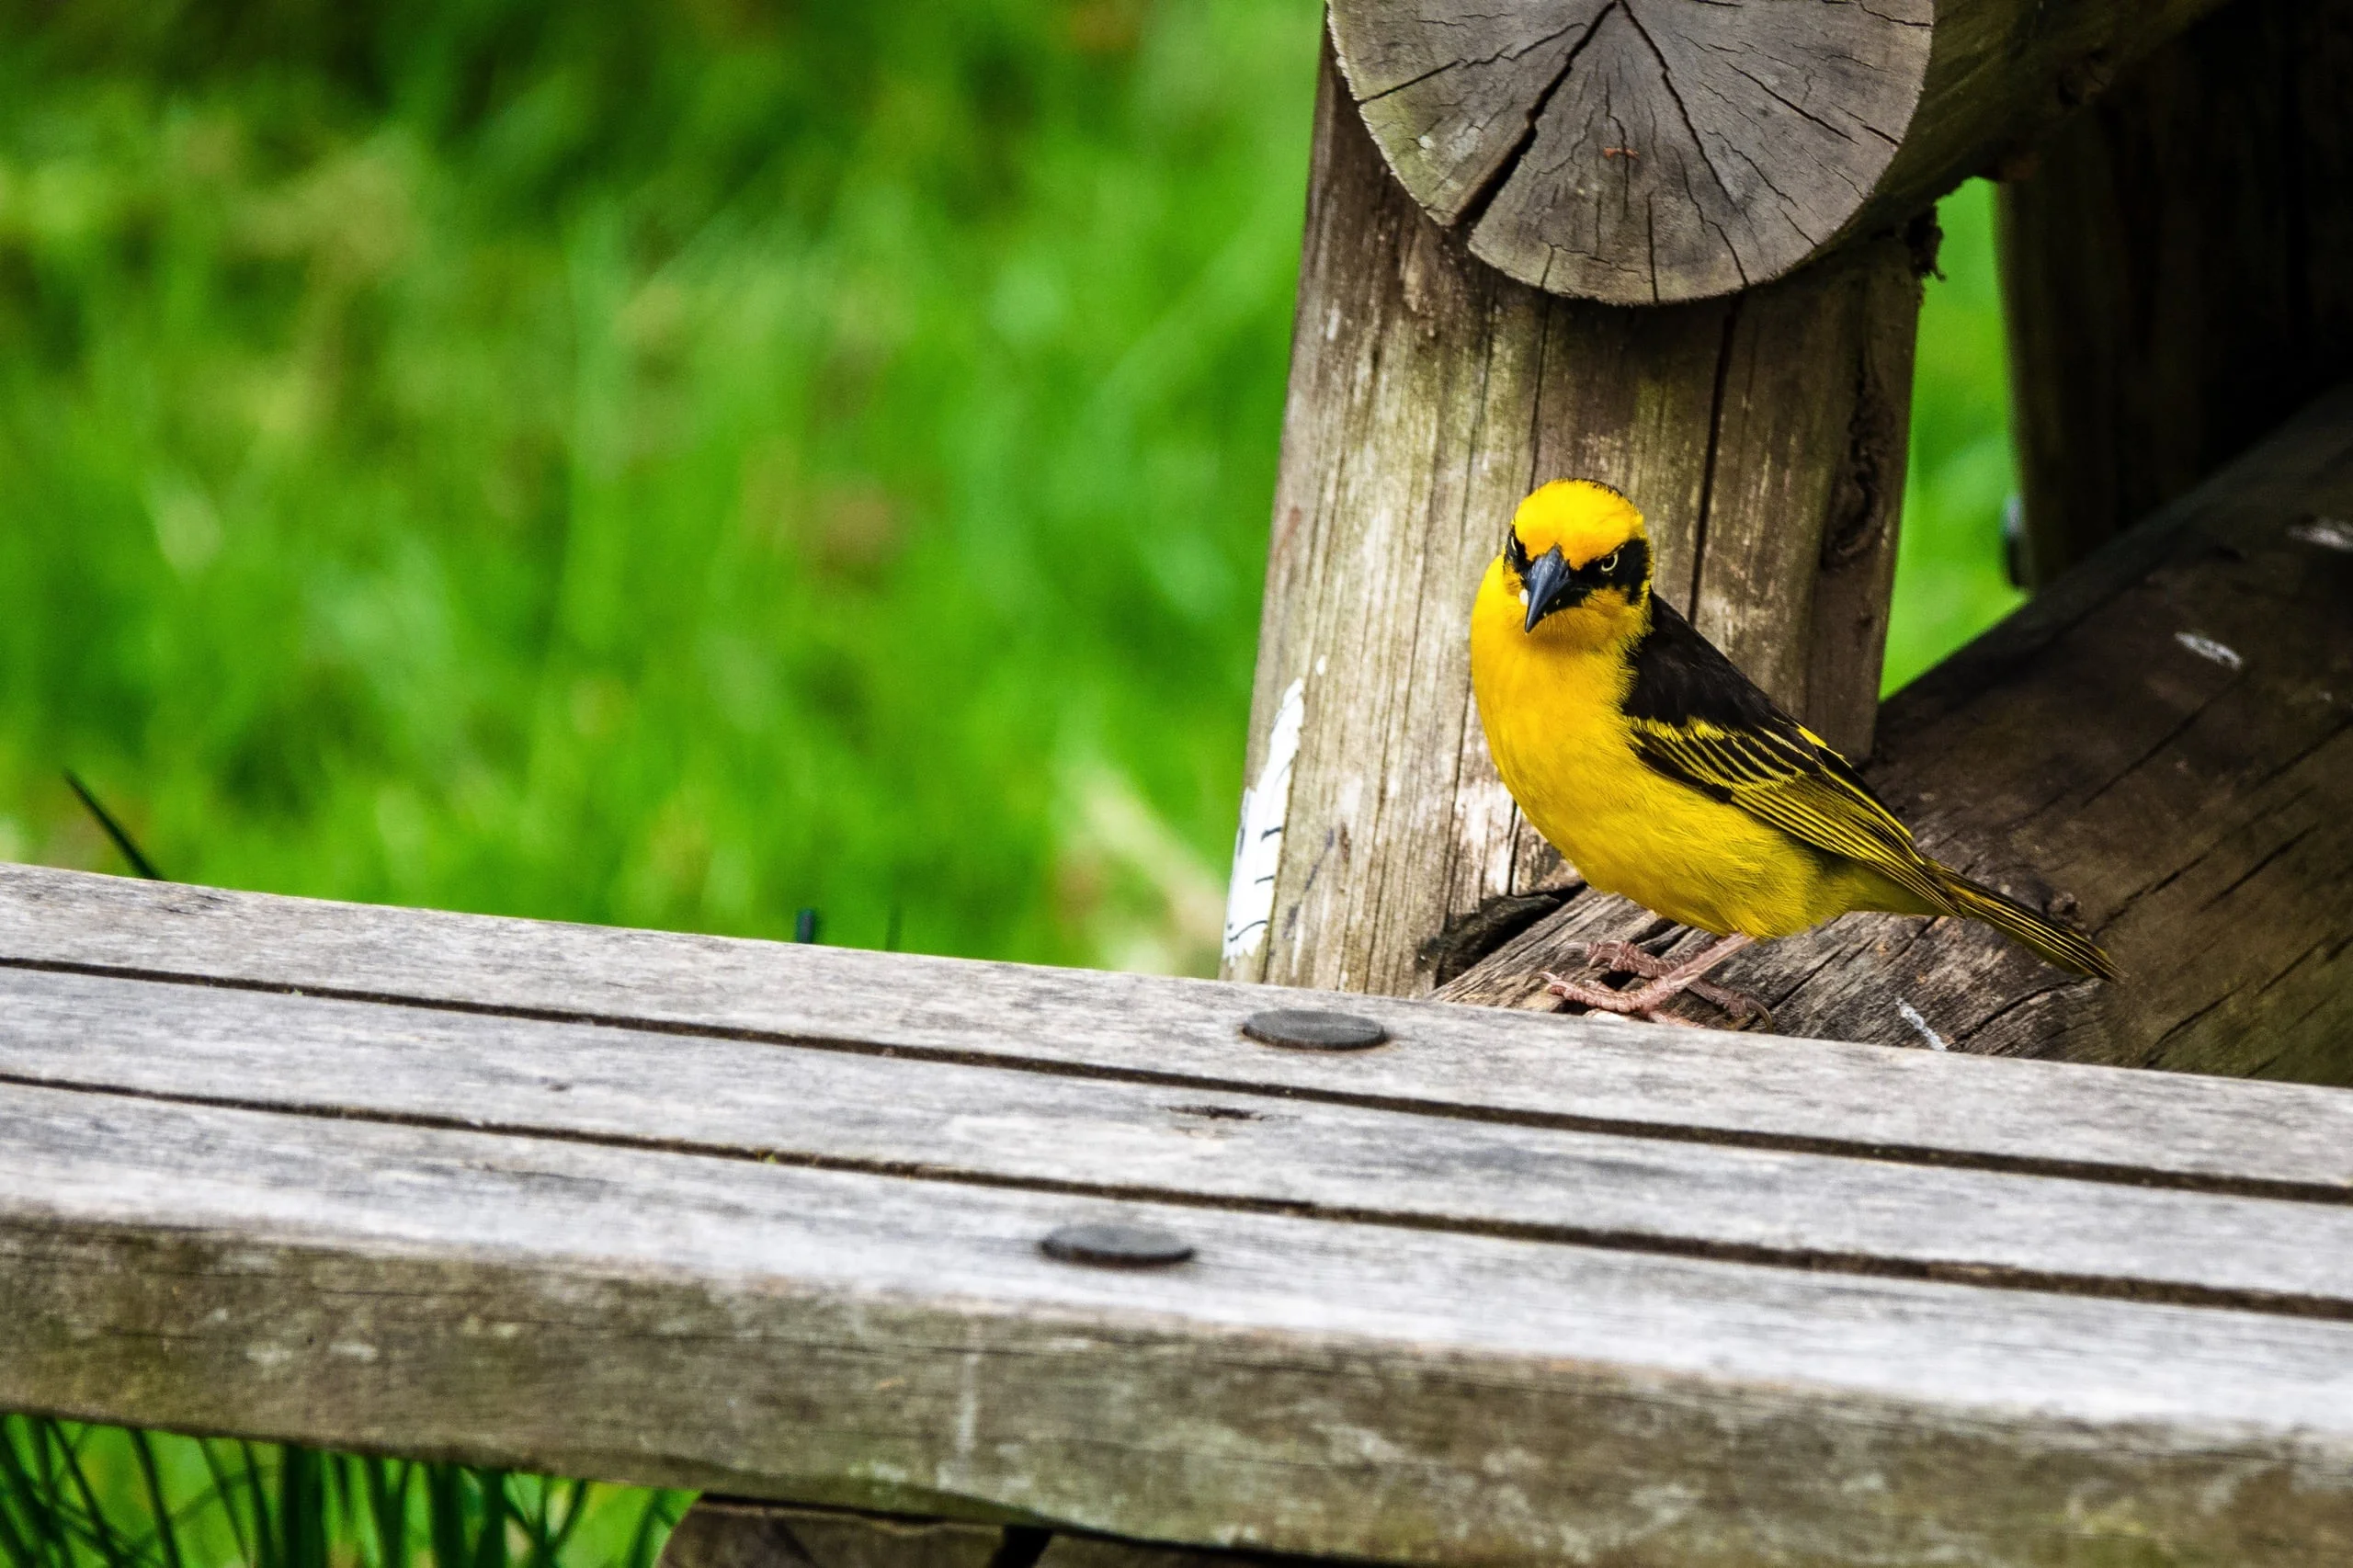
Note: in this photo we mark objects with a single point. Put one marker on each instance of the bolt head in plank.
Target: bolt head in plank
(1114, 1244)
(1313, 1029)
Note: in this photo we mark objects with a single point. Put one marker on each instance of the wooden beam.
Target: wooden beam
(2159, 747)
(1646, 151)
(1765, 436)
(766, 1218)
(2175, 269)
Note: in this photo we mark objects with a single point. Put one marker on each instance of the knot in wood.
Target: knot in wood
(1638, 152)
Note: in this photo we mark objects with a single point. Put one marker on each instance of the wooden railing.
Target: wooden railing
(775, 1219)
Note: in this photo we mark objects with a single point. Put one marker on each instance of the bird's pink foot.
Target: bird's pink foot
(1666, 978)
(1628, 1004)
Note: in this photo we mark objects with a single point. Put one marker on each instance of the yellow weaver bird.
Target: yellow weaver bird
(1638, 752)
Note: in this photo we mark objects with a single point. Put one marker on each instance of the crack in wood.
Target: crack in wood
(1473, 208)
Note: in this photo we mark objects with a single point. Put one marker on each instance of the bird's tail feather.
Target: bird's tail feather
(2054, 943)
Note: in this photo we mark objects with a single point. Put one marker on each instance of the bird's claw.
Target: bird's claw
(1746, 1010)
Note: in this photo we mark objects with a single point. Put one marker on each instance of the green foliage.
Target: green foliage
(1948, 577)
(74, 1496)
(664, 464)
(679, 464)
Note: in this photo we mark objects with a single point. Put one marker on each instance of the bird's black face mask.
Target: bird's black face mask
(1552, 584)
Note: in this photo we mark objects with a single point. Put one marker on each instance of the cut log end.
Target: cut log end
(1638, 152)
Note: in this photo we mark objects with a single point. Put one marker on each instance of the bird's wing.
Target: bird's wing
(1796, 784)
(1699, 720)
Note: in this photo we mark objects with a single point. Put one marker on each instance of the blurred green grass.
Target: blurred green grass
(675, 464)
(1950, 583)
(78, 1497)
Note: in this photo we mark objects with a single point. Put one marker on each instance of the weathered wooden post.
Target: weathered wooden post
(1765, 434)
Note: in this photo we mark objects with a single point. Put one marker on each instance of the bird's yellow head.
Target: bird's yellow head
(1575, 565)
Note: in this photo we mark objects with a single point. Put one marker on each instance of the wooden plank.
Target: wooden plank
(1764, 437)
(1301, 1384)
(1000, 1127)
(2159, 748)
(1496, 1064)
(1640, 152)
(2173, 269)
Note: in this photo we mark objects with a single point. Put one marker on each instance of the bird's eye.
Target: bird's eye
(1515, 552)
(1608, 563)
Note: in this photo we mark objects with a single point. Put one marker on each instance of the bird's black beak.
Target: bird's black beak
(1551, 585)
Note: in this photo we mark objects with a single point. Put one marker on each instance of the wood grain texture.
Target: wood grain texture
(1647, 152)
(1304, 1385)
(1764, 438)
(1005, 1126)
(2175, 269)
(1185, 1036)
(2159, 747)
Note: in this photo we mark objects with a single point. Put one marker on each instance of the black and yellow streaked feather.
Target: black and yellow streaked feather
(1697, 720)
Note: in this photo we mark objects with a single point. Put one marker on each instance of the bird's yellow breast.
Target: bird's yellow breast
(1553, 708)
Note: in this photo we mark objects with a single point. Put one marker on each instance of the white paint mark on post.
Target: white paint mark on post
(1258, 840)
(2205, 647)
(968, 1410)
(1920, 1025)
(2329, 533)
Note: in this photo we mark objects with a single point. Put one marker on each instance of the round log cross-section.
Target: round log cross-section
(1638, 150)
(1644, 152)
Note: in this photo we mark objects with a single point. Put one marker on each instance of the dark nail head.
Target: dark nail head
(1116, 1246)
(1308, 1028)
